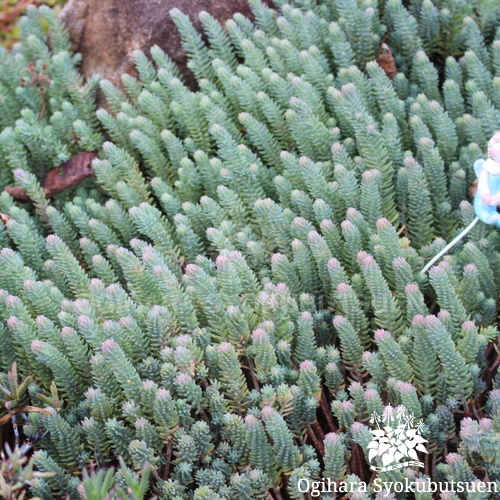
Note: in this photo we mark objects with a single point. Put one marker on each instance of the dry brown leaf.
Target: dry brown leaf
(481, 473)
(67, 175)
(17, 193)
(386, 61)
(4, 218)
(473, 189)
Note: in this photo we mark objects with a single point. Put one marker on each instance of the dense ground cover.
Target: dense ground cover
(236, 289)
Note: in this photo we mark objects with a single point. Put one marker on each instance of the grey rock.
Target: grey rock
(106, 32)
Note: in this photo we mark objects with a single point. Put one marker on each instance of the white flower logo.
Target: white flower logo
(398, 439)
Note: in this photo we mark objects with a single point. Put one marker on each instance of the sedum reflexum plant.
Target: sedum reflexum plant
(47, 111)
(223, 306)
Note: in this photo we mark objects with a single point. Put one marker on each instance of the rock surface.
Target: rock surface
(106, 32)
